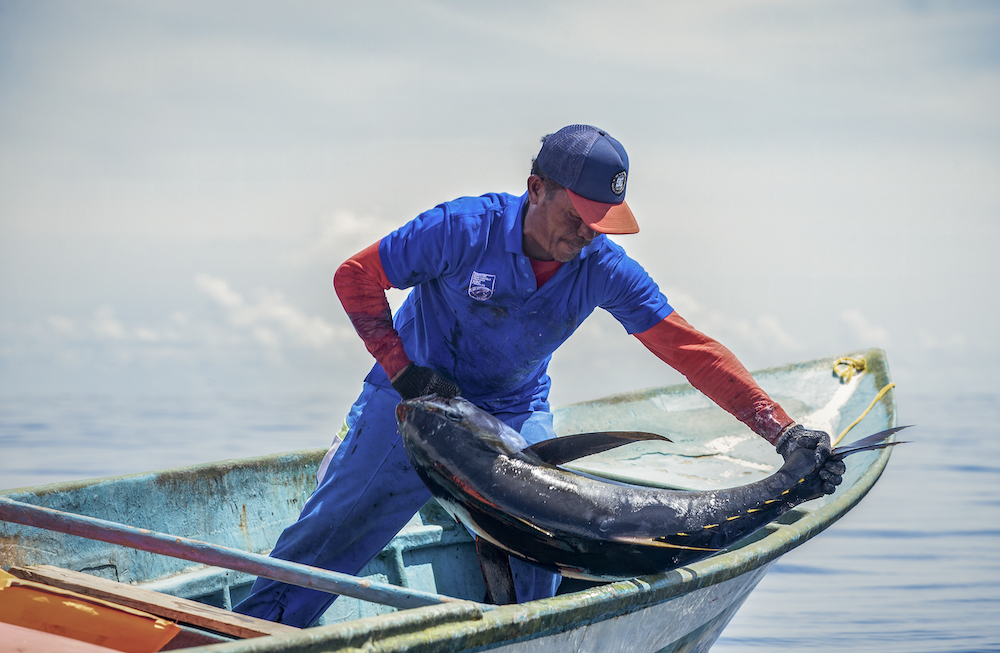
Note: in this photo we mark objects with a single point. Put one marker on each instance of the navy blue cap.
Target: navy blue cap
(593, 167)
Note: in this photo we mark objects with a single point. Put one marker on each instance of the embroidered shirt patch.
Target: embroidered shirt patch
(481, 285)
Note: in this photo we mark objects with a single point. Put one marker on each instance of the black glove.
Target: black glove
(799, 437)
(416, 381)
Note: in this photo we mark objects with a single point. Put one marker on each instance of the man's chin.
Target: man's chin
(567, 254)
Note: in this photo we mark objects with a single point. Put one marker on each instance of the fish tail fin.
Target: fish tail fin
(870, 443)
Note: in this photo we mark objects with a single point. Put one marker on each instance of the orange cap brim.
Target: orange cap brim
(605, 218)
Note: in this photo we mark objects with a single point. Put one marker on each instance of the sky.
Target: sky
(180, 180)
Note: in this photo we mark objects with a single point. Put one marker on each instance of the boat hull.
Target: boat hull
(245, 504)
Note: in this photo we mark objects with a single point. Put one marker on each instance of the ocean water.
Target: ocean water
(59, 437)
(914, 568)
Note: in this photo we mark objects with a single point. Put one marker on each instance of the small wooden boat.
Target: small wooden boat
(239, 507)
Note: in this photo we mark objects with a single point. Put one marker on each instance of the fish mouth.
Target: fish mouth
(420, 412)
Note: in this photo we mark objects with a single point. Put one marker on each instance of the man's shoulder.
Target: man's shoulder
(605, 252)
(609, 259)
(480, 204)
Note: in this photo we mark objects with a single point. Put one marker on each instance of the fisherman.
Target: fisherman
(499, 282)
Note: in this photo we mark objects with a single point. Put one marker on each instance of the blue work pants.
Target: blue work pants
(369, 492)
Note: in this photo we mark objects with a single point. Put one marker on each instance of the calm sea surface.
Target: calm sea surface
(915, 567)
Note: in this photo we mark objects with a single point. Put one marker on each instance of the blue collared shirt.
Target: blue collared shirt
(475, 313)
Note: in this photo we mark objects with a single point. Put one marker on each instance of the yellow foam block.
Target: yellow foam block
(69, 614)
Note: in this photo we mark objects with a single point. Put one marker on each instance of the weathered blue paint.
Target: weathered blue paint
(186, 549)
(241, 504)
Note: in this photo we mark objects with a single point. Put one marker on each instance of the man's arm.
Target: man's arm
(716, 372)
(361, 283)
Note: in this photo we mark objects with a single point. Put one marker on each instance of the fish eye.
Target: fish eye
(453, 415)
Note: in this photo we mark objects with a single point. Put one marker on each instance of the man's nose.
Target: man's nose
(586, 232)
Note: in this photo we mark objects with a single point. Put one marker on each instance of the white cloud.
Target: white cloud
(953, 342)
(862, 329)
(773, 331)
(270, 319)
(106, 325)
(761, 334)
(62, 325)
(341, 235)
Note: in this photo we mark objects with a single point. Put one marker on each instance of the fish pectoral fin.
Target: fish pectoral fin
(534, 527)
(499, 579)
(662, 543)
(571, 447)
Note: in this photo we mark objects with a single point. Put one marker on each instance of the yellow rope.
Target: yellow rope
(852, 365)
(881, 393)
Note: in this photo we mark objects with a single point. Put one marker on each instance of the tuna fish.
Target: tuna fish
(518, 499)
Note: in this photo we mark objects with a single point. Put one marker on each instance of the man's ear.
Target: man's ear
(536, 189)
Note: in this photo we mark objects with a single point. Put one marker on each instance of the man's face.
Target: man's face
(553, 230)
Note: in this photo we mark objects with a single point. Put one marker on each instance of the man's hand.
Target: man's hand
(799, 437)
(416, 381)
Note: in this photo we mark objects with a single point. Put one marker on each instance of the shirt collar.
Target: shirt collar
(513, 225)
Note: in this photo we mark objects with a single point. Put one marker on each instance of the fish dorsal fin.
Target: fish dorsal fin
(570, 447)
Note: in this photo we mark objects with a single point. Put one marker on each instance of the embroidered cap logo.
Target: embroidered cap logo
(618, 183)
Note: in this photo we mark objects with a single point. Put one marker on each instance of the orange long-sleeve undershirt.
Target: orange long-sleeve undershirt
(716, 372)
(361, 283)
